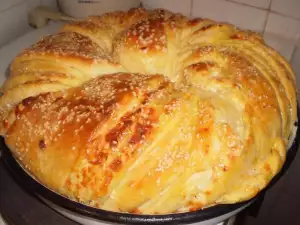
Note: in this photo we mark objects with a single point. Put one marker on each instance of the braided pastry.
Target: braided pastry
(150, 112)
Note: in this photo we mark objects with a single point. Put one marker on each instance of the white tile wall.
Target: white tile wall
(32, 3)
(287, 7)
(13, 22)
(13, 17)
(256, 3)
(5, 4)
(284, 46)
(283, 26)
(296, 66)
(182, 6)
(225, 11)
(282, 33)
(50, 3)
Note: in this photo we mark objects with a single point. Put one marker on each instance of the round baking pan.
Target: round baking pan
(89, 215)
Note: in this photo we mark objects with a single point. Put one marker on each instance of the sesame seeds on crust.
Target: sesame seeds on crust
(128, 111)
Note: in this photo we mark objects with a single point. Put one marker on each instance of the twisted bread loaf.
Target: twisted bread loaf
(150, 112)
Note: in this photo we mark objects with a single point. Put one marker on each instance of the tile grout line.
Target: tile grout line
(191, 8)
(270, 4)
(265, 9)
(266, 22)
(281, 14)
(293, 53)
(275, 12)
(245, 4)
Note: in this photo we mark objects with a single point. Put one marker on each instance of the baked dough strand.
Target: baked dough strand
(150, 112)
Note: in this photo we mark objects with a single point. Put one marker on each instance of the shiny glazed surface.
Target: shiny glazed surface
(149, 112)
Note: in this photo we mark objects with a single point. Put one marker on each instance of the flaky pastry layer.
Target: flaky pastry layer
(150, 112)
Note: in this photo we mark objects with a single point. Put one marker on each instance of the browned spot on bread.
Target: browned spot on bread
(170, 106)
(267, 167)
(68, 183)
(207, 192)
(225, 168)
(19, 109)
(5, 123)
(195, 21)
(206, 117)
(210, 26)
(135, 211)
(28, 102)
(144, 126)
(205, 50)
(141, 130)
(194, 206)
(202, 66)
(249, 35)
(238, 36)
(42, 144)
(147, 35)
(116, 165)
(107, 180)
(114, 134)
(206, 148)
(99, 157)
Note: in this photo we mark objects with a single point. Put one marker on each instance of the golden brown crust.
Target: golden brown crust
(100, 33)
(71, 120)
(150, 112)
(65, 44)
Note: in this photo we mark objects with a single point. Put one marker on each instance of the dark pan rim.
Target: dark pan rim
(34, 187)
